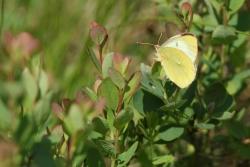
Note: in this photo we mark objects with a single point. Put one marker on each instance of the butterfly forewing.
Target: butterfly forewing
(187, 43)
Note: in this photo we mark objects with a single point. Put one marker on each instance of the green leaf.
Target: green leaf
(225, 116)
(241, 150)
(171, 133)
(110, 119)
(43, 154)
(238, 51)
(207, 126)
(151, 85)
(24, 134)
(117, 78)
(133, 85)
(57, 135)
(5, 116)
(107, 63)
(238, 130)
(235, 5)
(151, 102)
(126, 156)
(137, 115)
(212, 16)
(109, 91)
(138, 101)
(123, 118)
(236, 83)
(216, 5)
(124, 65)
(94, 158)
(240, 114)
(165, 159)
(30, 86)
(43, 83)
(91, 94)
(42, 110)
(173, 105)
(94, 135)
(157, 71)
(100, 125)
(94, 59)
(186, 116)
(218, 100)
(223, 35)
(13, 89)
(106, 146)
(73, 122)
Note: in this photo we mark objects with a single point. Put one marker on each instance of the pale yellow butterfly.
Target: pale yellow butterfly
(178, 57)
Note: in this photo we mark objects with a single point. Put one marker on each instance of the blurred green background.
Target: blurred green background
(62, 29)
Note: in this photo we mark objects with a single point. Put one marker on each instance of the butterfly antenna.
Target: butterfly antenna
(144, 43)
(159, 40)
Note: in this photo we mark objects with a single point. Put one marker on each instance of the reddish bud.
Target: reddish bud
(98, 34)
(24, 44)
(57, 110)
(186, 8)
(99, 106)
(121, 63)
(187, 13)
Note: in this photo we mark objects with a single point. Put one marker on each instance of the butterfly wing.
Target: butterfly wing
(187, 43)
(177, 65)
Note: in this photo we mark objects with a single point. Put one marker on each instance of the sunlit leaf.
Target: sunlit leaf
(117, 78)
(110, 93)
(236, 83)
(223, 35)
(165, 159)
(235, 5)
(73, 122)
(133, 85)
(123, 118)
(5, 116)
(125, 157)
(31, 87)
(207, 126)
(107, 64)
(171, 133)
(94, 59)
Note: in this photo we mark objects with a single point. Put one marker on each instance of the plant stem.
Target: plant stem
(151, 147)
(115, 137)
(120, 101)
(222, 57)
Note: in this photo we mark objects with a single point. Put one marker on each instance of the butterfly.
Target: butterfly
(178, 58)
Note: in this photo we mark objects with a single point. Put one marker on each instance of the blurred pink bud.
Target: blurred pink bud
(24, 44)
(100, 105)
(57, 110)
(8, 151)
(121, 63)
(66, 102)
(83, 100)
(98, 34)
(186, 8)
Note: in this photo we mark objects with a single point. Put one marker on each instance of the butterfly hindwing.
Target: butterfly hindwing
(184, 42)
(177, 65)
